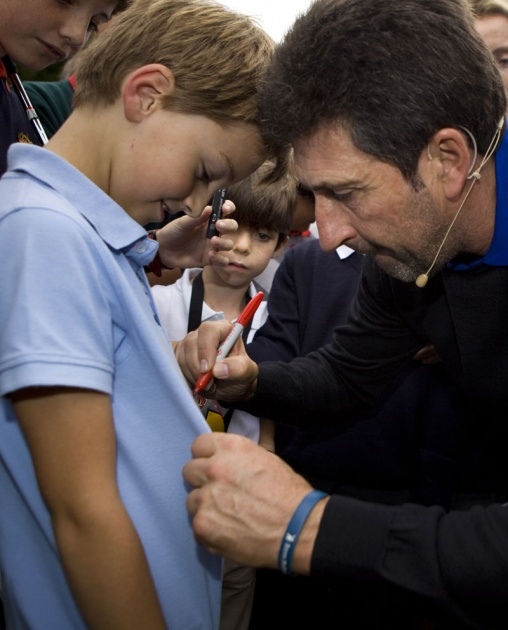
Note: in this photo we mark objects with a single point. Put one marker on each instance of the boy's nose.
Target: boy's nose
(76, 31)
(197, 202)
(243, 241)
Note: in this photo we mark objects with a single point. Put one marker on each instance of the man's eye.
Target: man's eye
(342, 196)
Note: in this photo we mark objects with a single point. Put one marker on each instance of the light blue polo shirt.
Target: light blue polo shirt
(76, 310)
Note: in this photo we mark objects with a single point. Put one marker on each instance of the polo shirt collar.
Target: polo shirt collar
(111, 222)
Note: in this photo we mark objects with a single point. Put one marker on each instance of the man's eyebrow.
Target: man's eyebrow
(336, 185)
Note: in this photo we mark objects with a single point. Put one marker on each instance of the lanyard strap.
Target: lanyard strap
(196, 306)
(195, 315)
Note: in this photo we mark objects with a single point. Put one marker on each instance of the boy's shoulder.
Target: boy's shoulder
(57, 196)
(26, 182)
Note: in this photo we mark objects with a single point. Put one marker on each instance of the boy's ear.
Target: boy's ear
(281, 246)
(143, 88)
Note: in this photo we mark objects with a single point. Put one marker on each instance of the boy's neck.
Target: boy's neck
(223, 297)
(84, 144)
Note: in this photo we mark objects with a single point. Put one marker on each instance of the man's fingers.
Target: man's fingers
(205, 445)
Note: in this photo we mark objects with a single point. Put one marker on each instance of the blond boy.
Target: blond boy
(264, 213)
(96, 419)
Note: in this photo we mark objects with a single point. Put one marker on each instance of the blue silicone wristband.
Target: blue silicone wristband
(294, 528)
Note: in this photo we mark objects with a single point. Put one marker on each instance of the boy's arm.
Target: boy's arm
(71, 438)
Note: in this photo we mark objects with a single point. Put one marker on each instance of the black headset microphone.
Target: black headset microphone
(423, 278)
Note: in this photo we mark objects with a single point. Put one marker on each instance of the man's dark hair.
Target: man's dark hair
(122, 5)
(391, 72)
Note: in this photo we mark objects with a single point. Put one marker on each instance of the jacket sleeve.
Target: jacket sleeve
(457, 561)
(277, 339)
(365, 356)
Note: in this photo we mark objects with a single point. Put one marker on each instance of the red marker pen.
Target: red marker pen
(234, 334)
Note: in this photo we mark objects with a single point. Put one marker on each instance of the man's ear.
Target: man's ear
(143, 88)
(280, 246)
(450, 158)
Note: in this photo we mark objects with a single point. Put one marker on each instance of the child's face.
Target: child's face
(494, 31)
(252, 251)
(37, 33)
(175, 162)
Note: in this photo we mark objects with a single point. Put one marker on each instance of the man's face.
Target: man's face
(37, 33)
(369, 206)
(494, 32)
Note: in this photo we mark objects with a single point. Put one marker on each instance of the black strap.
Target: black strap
(195, 315)
(196, 306)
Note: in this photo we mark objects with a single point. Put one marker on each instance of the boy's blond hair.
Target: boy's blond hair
(217, 56)
(263, 204)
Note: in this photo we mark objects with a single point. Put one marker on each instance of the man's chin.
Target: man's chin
(396, 269)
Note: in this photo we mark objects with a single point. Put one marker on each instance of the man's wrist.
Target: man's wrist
(304, 548)
(251, 392)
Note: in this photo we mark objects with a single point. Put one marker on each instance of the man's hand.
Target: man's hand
(427, 355)
(182, 242)
(235, 377)
(243, 500)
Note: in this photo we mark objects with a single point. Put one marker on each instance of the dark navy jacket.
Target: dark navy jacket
(456, 561)
(14, 124)
(406, 446)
